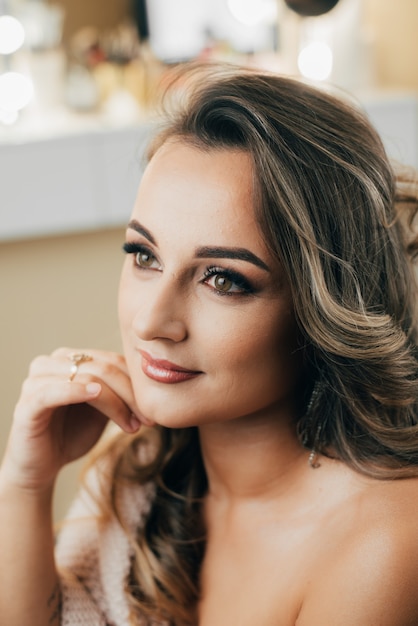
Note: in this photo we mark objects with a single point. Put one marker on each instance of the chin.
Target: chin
(166, 406)
(168, 419)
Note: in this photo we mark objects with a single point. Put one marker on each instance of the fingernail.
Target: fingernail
(135, 424)
(93, 389)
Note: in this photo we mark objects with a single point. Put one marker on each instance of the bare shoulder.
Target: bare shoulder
(370, 573)
(396, 500)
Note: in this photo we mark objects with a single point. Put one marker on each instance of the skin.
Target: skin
(55, 422)
(243, 342)
(287, 544)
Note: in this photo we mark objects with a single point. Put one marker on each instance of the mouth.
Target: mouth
(164, 371)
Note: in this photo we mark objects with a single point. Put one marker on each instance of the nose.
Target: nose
(161, 313)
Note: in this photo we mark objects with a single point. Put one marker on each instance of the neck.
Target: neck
(251, 458)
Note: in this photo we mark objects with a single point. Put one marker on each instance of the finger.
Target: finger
(118, 360)
(107, 367)
(112, 405)
(62, 361)
(40, 396)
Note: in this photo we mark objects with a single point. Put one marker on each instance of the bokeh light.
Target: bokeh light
(253, 12)
(12, 34)
(315, 61)
(16, 91)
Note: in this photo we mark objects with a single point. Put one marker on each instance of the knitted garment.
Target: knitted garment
(93, 559)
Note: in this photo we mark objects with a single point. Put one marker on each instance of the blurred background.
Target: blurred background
(79, 83)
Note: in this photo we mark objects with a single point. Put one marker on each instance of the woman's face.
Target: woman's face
(206, 313)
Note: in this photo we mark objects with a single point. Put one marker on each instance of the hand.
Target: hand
(57, 421)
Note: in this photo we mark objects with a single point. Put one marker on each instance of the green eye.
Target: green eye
(144, 259)
(142, 256)
(222, 283)
(227, 282)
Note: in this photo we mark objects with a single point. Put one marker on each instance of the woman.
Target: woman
(267, 393)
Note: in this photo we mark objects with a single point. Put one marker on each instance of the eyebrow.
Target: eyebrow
(209, 252)
(241, 254)
(142, 231)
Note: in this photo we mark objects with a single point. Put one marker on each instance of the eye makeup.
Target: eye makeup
(144, 257)
(223, 281)
(227, 282)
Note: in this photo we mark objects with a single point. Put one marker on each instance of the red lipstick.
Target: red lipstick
(164, 371)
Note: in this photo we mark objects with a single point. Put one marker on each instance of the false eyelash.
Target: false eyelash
(136, 249)
(236, 278)
(133, 248)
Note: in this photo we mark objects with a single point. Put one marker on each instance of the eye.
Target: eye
(222, 283)
(143, 257)
(226, 282)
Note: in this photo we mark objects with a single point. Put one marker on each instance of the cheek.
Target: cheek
(122, 292)
(127, 307)
(254, 365)
(259, 340)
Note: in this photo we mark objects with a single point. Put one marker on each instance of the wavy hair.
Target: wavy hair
(341, 223)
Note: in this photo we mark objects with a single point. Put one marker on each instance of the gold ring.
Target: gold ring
(76, 360)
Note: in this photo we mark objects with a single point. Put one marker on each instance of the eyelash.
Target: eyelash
(135, 249)
(132, 248)
(244, 286)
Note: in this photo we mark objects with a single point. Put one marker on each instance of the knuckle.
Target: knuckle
(119, 360)
(83, 378)
(32, 400)
(36, 364)
(108, 369)
(39, 397)
(27, 386)
(62, 351)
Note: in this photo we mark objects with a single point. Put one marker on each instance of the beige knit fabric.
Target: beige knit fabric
(93, 559)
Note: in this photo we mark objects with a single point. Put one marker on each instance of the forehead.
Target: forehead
(190, 189)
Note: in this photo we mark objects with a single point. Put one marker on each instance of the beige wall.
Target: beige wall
(393, 27)
(55, 291)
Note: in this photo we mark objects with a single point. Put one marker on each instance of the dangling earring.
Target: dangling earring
(313, 456)
(312, 462)
(313, 397)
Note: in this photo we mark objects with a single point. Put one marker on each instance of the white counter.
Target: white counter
(69, 183)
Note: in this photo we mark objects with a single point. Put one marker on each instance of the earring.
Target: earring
(313, 456)
(312, 460)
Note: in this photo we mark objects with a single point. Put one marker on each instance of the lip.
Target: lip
(164, 371)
